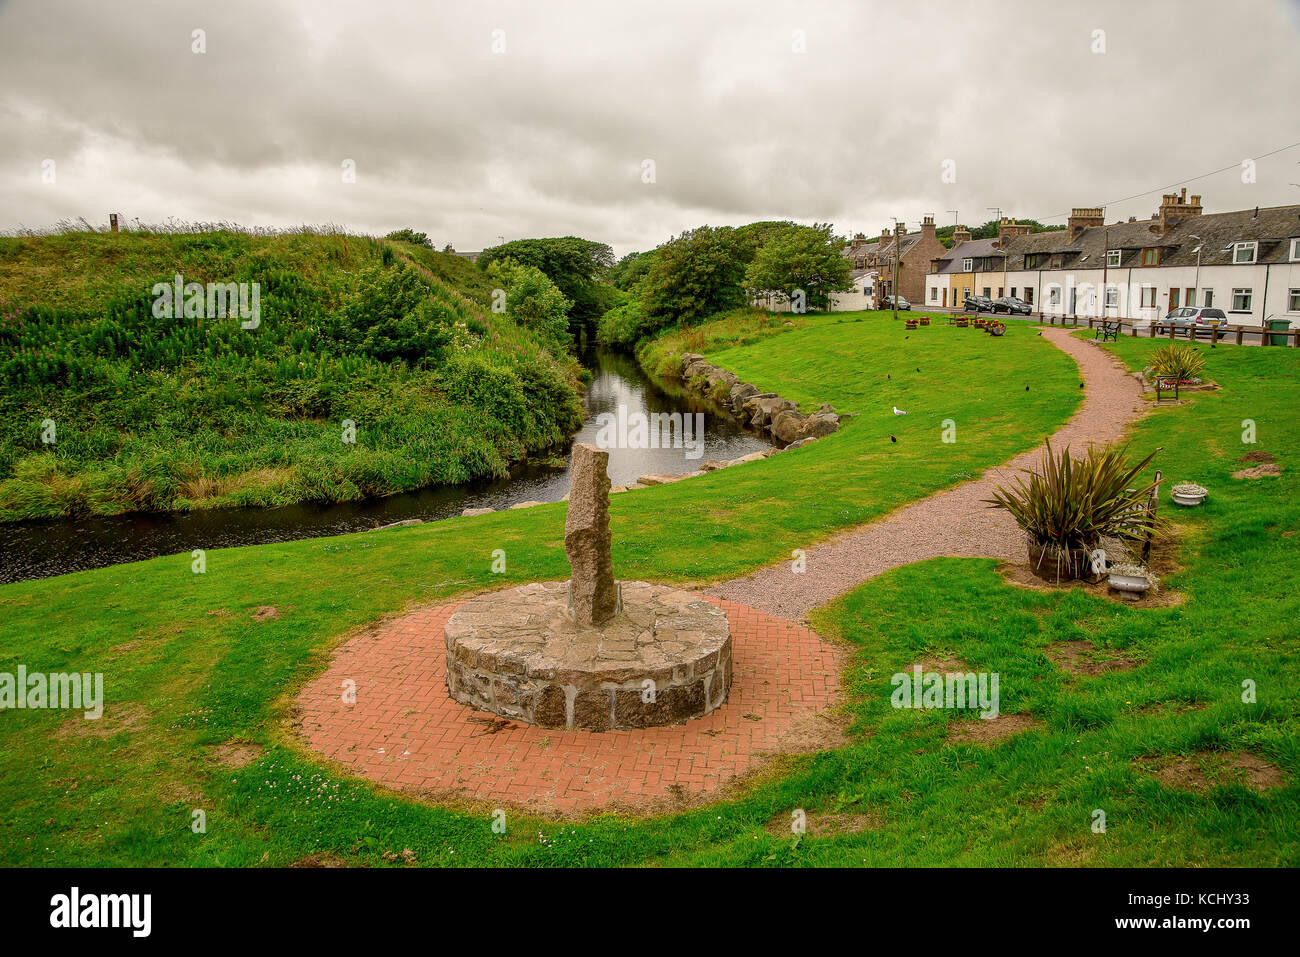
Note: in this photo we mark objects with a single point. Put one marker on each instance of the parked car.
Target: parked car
(977, 304)
(902, 303)
(1197, 320)
(1012, 304)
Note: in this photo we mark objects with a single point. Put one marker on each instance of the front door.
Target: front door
(1173, 299)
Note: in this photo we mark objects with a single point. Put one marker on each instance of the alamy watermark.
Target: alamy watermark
(79, 690)
(215, 300)
(658, 430)
(932, 689)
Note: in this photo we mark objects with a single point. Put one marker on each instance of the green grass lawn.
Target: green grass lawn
(187, 668)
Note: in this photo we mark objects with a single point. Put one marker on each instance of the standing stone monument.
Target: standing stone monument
(590, 654)
(593, 593)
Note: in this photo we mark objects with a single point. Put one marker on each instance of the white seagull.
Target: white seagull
(898, 411)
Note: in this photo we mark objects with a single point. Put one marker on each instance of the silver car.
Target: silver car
(1197, 320)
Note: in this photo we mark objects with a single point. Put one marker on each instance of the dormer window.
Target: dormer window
(967, 265)
(1244, 252)
(1295, 250)
(1112, 257)
(1151, 257)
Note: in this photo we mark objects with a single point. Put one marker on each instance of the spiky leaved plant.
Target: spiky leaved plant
(1185, 362)
(1071, 503)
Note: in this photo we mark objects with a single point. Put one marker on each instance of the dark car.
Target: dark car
(978, 304)
(902, 303)
(1011, 304)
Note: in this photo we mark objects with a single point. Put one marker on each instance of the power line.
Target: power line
(1181, 182)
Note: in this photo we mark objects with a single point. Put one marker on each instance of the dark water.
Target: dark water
(44, 548)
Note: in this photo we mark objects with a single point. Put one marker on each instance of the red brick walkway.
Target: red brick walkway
(405, 732)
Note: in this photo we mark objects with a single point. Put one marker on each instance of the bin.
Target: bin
(1278, 325)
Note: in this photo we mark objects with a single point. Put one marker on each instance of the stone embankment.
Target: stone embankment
(765, 411)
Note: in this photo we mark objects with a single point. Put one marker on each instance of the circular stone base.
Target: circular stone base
(664, 659)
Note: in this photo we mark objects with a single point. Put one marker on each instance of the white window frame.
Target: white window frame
(1247, 293)
(968, 265)
(1239, 248)
(1113, 257)
(1207, 297)
(1151, 293)
(1112, 297)
(1295, 250)
(1293, 300)
(1054, 296)
(934, 293)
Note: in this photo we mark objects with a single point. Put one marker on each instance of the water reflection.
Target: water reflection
(41, 549)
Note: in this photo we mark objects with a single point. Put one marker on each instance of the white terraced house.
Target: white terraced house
(1246, 263)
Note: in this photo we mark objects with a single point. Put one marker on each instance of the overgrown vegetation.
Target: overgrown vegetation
(576, 266)
(109, 406)
(710, 270)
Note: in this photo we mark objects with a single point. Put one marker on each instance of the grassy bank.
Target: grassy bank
(188, 669)
(372, 368)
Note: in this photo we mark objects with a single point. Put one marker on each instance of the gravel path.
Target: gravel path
(951, 523)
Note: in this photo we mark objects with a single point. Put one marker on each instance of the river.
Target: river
(40, 549)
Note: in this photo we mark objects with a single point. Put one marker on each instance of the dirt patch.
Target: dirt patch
(824, 823)
(1258, 471)
(991, 730)
(236, 754)
(266, 612)
(1081, 658)
(1203, 771)
(115, 720)
(322, 859)
(1257, 457)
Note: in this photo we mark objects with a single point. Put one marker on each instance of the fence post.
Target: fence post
(1239, 331)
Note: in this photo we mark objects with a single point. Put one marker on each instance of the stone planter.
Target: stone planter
(1054, 565)
(1189, 499)
(1131, 587)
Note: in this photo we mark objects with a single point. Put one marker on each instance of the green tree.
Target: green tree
(410, 236)
(806, 258)
(533, 301)
(693, 275)
(575, 265)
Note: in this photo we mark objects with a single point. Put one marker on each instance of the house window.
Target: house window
(1151, 257)
(1293, 300)
(967, 265)
(1295, 250)
(1029, 295)
(1032, 261)
(1190, 298)
(1241, 300)
(1112, 257)
(1054, 296)
(987, 292)
(1112, 297)
(1244, 252)
(1209, 297)
(1056, 262)
(1148, 297)
(934, 293)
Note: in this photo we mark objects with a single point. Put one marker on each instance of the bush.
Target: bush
(1185, 362)
(410, 236)
(1071, 503)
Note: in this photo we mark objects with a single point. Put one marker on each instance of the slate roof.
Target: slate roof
(950, 262)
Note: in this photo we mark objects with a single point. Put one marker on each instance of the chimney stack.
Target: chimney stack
(960, 236)
(1084, 217)
(927, 228)
(1174, 208)
(1010, 229)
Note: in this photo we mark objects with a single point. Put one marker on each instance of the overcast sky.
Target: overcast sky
(817, 111)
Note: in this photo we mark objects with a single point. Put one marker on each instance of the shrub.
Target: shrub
(1186, 362)
(1071, 503)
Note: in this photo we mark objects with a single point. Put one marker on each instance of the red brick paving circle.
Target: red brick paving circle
(404, 731)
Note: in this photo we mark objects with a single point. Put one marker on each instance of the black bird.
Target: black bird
(1026, 388)
(918, 370)
(892, 439)
(1080, 385)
